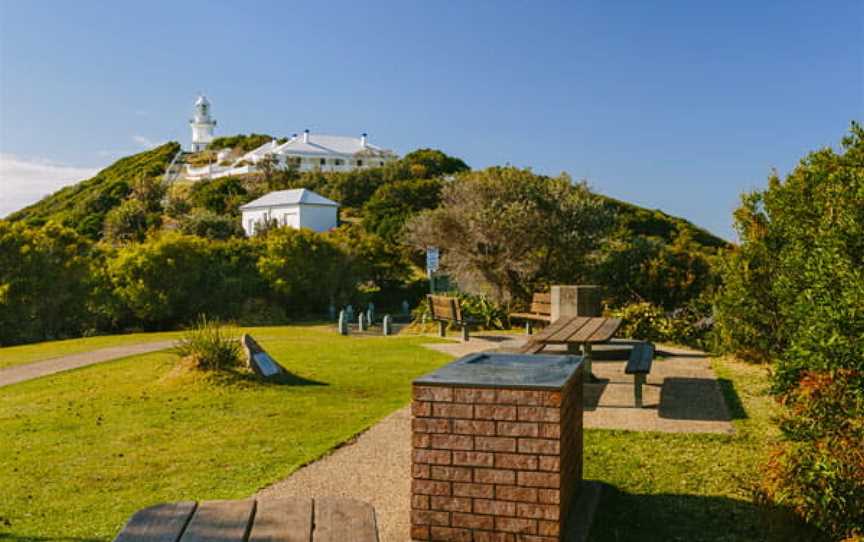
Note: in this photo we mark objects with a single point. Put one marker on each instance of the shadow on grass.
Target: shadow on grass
(693, 399)
(665, 517)
(733, 402)
(248, 378)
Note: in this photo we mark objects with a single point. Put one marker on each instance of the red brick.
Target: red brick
(420, 470)
(520, 397)
(430, 517)
(550, 430)
(548, 528)
(494, 476)
(495, 444)
(551, 398)
(537, 511)
(473, 459)
(433, 393)
(549, 463)
(420, 440)
(487, 536)
(450, 504)
(422, 409)
(495, 412)
(472, 521)
(549, 496)
(481, 491)
(420, 532)
(474, 427)
(518, 429)
(452, 410)
(532, 538)
(452, 442)
(430, 425)
(473, 395)
(535, 446)
(420, 502)
(539, 414)
(515, 493)
(515, 461)
(494, 508)
(433, 457)
(448, 534)
(516, 525)
(430, 487)
(453, 474)
(538, 479)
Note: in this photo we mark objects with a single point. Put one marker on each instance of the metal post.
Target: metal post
(442, 328)
(361, 322)
(331, 311)
(637, 389)
(465, 336)
(388, 330)
(529, 328)
(343, 323)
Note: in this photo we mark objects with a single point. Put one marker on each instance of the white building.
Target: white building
(298, 208)
(202, 125)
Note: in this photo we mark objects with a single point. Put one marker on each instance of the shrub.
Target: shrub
(127, 222)
(392, 204)
(687, 325)
(221, 196)
(204, 223)
(477, 307)
(208, 346)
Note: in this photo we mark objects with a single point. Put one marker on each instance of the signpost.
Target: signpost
(432, 260)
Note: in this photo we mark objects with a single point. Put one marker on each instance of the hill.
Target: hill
(83, 206)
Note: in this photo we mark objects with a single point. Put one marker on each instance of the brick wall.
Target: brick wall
(498, 465)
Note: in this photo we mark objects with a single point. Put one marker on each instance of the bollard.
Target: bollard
(388, 327)
(361, 322)
(406, 309)
(370, 313)
(349, 312)
(331, 311)
(343, 323)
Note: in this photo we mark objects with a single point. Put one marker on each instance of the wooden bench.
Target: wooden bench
(541, 311)
(446, 310)
(292, 519)
(639, 365)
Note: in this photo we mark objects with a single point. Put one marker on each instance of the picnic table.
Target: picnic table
(579, 333)
(293, 519)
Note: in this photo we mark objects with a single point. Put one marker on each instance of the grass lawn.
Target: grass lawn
(80, 451)
(689, 487)
(28, 353)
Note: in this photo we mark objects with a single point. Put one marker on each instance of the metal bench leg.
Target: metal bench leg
(465, 336)
(529, 327)
(442, 328)
(638, 381)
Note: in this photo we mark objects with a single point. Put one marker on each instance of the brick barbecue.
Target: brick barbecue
(497, 444)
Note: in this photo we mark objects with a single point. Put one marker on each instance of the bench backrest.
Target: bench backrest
(542, 304)
(445, 308)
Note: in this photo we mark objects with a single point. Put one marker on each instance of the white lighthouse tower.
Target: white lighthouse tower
(202, 124)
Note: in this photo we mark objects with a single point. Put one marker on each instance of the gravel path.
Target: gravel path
(21, 373)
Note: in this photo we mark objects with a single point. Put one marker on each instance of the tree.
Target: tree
(504, 231)
(127, 222)
(393, 204)
(222, 196)
(45, 282)
(429, 163)
(204, 223)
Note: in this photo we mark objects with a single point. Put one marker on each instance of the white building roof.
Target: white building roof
(297, 196)
(320, 145)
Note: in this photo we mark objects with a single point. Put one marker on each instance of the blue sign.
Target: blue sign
(431, 260)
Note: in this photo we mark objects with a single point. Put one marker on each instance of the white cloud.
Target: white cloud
(145, 142)
(25, 181)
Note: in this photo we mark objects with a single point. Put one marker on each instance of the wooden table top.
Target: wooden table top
(578, 329)
(294, 519)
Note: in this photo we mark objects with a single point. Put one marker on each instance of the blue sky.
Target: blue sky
(673, 105)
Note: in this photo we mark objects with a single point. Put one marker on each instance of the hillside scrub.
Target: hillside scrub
(793, 295)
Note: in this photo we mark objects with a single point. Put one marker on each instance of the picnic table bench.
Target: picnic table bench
(541, 311)
(446, 310)
(639, 365)
(578, 333)
(292, 519)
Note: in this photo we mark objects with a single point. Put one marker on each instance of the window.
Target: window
(338, 161)
(359, 163)
(323, 161)
(382, 162)
(250, 226)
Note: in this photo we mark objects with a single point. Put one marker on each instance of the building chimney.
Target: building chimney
(363, 140)
(305, 136)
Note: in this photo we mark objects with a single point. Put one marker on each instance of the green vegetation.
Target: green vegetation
(210, 346)
(81, 451)
(689, 486)
(243, 143)
(793, 294)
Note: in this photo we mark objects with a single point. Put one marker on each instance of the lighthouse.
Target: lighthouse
(202, 124)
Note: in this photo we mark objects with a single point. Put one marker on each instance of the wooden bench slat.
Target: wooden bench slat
(220, 521)
(531, 316)
(568, 329)
(282, 520)
(607, 330)
(339, 519)
(586, 332)
(160, 523)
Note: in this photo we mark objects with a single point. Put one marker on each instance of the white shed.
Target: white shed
(298, 208)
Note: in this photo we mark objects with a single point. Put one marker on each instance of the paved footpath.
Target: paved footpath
(21, 373)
